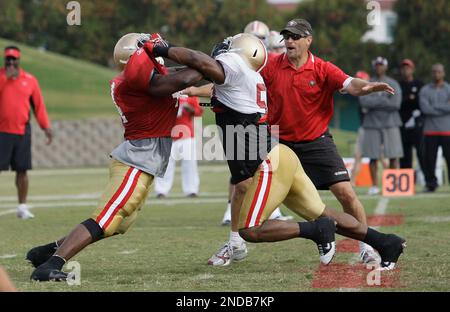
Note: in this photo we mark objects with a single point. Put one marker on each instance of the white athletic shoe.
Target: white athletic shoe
(23, 212)
(227, 216)
(367, 254)
(373, 190)
(277, 215)
(227, 253)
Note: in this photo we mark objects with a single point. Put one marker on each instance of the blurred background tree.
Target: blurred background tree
(422, 31)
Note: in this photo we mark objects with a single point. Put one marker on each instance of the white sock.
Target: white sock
(227, 215)
(235, 239)
(22, 207)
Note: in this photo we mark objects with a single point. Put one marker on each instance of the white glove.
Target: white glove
(411, 123)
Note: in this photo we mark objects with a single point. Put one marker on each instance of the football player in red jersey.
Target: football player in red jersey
(142, 93)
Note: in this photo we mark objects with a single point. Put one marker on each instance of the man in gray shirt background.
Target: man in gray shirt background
(381, 124)
(434, 100)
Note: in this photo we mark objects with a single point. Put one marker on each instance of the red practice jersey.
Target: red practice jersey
(300, 101)
(143, 115)
(185, 117)
(17, 96)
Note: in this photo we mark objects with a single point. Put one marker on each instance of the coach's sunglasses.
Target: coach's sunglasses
(295, 37)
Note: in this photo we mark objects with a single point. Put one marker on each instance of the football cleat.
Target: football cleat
(391, 251)
(45, 274)
(23, 212)
(325, 239)
(368, 256)
(40, 254)
(227, 253)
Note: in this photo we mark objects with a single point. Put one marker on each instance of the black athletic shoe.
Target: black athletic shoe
(46, 274)
(325, 239)
(390, 252)
(39, 255)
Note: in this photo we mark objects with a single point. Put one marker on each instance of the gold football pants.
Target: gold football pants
(126, 192)
(280, 179)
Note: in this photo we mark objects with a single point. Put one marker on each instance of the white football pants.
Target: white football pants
(183, 150)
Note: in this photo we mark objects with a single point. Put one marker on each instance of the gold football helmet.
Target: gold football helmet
(251, 49)
(126, 46)
(257, 28)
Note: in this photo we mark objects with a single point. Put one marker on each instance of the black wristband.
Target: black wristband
(161, 51)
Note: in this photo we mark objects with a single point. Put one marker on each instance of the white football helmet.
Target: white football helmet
(251, 49)
(126, 46)
(257, 28)
(275, 40)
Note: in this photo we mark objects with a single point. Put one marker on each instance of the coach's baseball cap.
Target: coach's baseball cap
(408, 62)
(12, 52)
(298, 26)
(380, 61)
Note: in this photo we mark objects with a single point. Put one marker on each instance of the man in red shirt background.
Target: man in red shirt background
(183, 149)
(19, 92)
(300, 89)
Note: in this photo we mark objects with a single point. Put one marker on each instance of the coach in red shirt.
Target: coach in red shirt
(300, 89)
(19, 92)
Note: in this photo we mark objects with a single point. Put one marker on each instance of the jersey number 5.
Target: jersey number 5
(261, 95)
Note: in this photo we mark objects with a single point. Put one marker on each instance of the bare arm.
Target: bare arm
(165, 85)
(205, 90)
(359, 87)
(200, 61)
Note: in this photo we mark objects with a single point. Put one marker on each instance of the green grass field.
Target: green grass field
(169, 245)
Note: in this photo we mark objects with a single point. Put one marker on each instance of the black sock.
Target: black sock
(307, 229)
(374, 238)
(55, 262)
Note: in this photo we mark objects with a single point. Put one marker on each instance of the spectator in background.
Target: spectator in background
(435, 105)
(183, 148)
(19, 92)
(412, 129)
(357, 155)
(381, 124)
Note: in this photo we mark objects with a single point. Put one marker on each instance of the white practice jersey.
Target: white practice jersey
(244, 89)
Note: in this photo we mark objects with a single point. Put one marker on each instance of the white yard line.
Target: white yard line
(4, 199)
(101, 171)
(33, 198)
(10, 208)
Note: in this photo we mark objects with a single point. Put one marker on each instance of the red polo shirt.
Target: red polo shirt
(300, 101)
(16, 97)
(185, 118)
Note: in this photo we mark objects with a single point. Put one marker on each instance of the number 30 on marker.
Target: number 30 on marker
(398, 182)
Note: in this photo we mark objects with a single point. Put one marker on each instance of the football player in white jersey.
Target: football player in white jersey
(267, 174)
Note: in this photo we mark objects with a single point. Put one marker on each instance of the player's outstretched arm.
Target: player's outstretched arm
(164, 85)
(200, 61)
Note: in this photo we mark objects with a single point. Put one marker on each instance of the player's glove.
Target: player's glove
(156, 46)
(221, 47)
